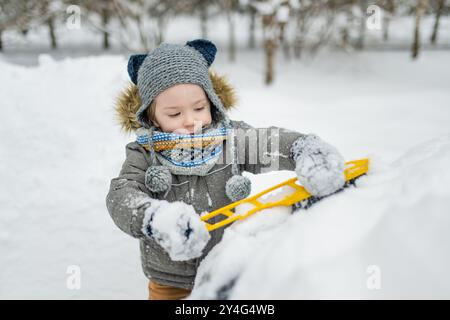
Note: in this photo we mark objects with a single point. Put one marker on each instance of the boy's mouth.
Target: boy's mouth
(199, 130)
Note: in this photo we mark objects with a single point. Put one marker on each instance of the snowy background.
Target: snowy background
(389, 238)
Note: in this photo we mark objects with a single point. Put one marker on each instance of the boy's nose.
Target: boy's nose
(190, 124)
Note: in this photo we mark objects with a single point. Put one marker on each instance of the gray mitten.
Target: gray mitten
(177, 228)
(318, 165)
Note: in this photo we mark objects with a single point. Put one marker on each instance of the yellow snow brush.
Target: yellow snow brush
(299, 197)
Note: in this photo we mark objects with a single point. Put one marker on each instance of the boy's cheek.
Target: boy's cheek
(168, 126)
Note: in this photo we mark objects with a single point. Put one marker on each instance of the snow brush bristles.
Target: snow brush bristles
(299, 198)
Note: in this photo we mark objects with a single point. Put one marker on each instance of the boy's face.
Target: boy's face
(182, 108)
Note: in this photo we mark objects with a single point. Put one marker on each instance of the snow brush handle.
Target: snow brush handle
(353, 169)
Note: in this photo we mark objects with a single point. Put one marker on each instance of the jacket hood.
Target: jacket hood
(128, 101)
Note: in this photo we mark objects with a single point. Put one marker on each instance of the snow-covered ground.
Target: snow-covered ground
(60, 146)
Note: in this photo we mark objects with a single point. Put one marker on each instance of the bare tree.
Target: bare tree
(143, 22)
(203, 9)
(106, 16)
(420, 9)
(25, 12)
(268, 10)
(301, 14)
(8, 14)
(23, 15)
(15, 15)
(270, 45)
(439, 10)
(248, 9)
(50, 11)
(46, 12)
(389, 7)
(103, 9)
(231, 8)
(306, 13)
(252, 27)
(282, 18)
(362, 8)
(328, 22)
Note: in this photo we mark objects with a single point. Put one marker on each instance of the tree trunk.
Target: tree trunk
(386, 21)
(204, 20)
(299, 34)
(231, 36)
(436, 21)
(420, 9)
(144, 40)
(51, 28)
(283, 42)
(251, 34)
(362, 26)
(271, 36)
(270, 47)
(387, 17)
(105, 20)
(161, 26)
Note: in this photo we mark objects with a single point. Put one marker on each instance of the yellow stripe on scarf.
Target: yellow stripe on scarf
(187, 143)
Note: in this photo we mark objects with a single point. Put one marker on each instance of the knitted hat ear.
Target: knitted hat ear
(134, 63)
(205, 47)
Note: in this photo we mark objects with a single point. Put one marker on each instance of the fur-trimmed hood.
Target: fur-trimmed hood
(128, 101)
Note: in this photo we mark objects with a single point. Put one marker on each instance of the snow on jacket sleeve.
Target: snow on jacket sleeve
(128, 196)
(264, 149)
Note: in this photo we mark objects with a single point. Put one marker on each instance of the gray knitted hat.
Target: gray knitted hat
(171, 64)
(168, 65)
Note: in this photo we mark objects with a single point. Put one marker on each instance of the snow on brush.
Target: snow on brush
(387, 238)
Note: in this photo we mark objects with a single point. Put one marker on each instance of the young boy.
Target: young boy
(188, 158)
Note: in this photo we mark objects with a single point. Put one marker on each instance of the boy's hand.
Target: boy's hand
(177, 228)
(319, 166)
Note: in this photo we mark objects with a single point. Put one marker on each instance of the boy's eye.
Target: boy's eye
(174, 115)
(200, 108)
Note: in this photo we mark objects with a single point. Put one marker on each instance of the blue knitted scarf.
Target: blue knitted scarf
(186, 153)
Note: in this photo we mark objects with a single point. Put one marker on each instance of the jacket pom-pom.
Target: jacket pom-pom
(238, 187)
(158, 179)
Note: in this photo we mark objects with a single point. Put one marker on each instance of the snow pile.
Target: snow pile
(387, 238)
(177, 228)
